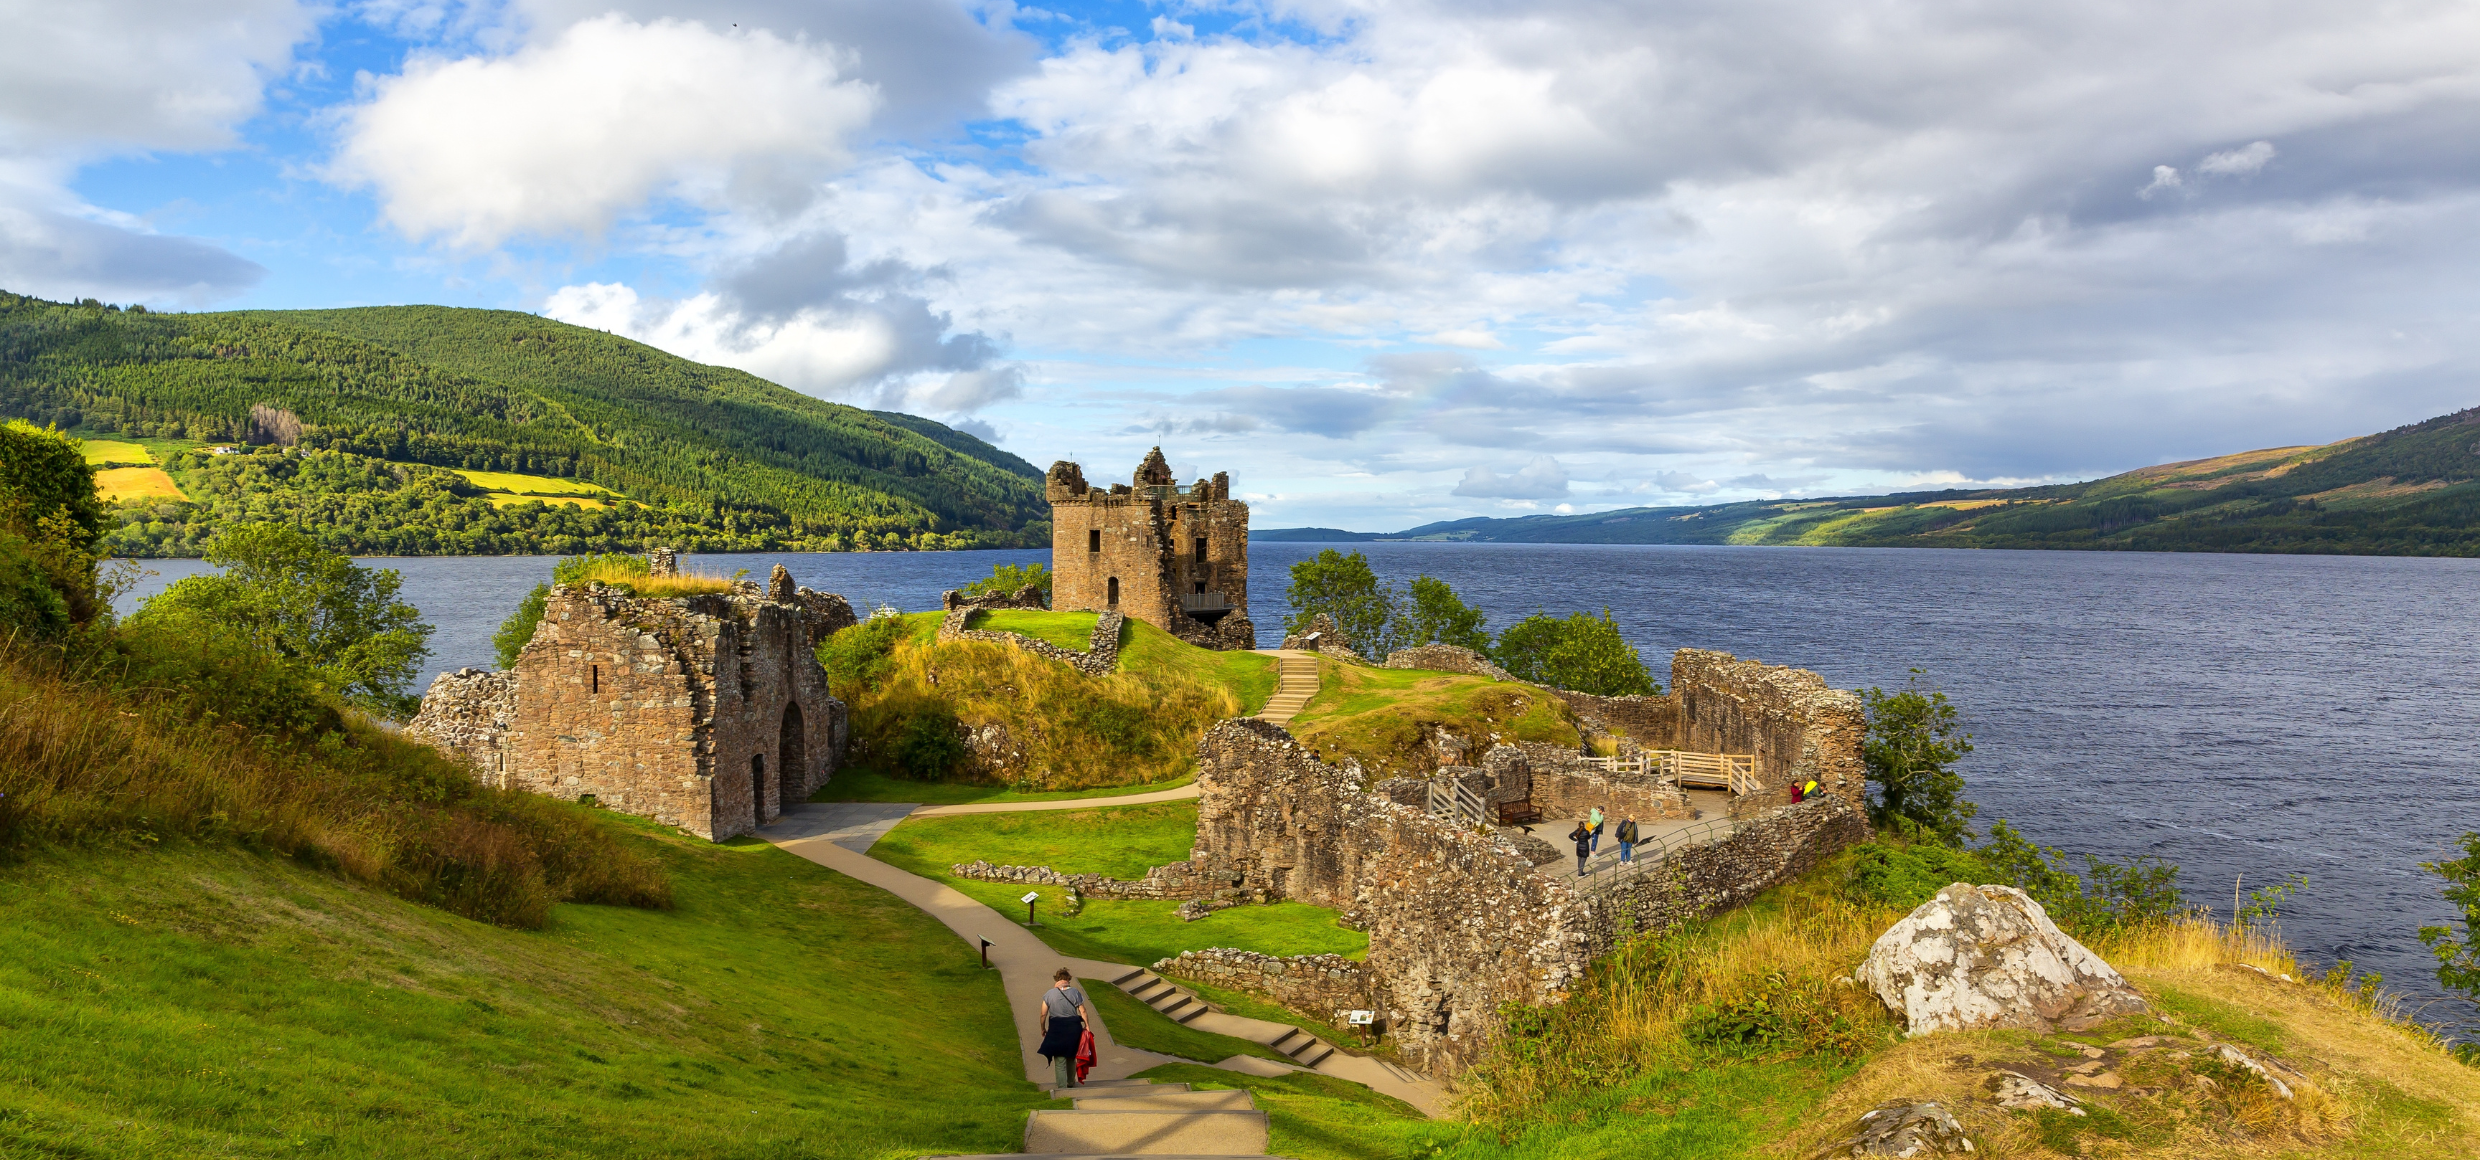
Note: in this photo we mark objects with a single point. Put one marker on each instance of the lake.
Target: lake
(2237, 715)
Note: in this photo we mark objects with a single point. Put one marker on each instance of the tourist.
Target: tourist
(1063, 1015)
(1627, 839)
(1583, 838)
(1808, 791)
(1594, 820)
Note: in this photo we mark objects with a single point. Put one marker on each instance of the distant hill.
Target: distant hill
(421, 430)
(2413, 490)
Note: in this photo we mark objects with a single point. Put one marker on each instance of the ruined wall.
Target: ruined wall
(1561, 785)
(1447, 658)
(1145, 537)
(1327, 987)
(1797, 726)
(1696, 881)
(1458, 923)
(1175, 882)
(467, 713)
(710, 713)
(1652, 722)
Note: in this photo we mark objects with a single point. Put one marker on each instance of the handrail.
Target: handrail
(1703, 833)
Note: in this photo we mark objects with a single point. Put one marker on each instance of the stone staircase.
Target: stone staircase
(1134, 1117)
(1178, 1005)
(1296, 682)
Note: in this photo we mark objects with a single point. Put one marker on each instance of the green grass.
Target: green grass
(1145, 650)
(1675, 1110)
(1123, 842)
(1073, 631)
(1133, 1024)
(187, 1001)
(102, 451)
(522, 484)
(1319, 1117)
(866, 785)
(1384, 717)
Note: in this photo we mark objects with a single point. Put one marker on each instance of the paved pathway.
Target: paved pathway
(838, 834)
(1296, 681)
(1183, 793)
(1708, 805)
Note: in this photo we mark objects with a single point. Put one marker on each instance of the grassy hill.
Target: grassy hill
(2414, 490)
(368, 427)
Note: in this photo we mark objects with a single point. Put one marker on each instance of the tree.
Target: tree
(1343, 587)
(339, 622)
(1435, 615)
(1580, 652)
(518, 629)
(50, 522)
(1914, 739)
(2458, 950)
(1009, 579)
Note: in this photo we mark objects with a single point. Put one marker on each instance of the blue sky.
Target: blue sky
(1386, 261)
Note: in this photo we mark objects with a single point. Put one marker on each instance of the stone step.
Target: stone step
(1147, 1133)
(1219, 1101)
(1123, 981)
(1313, 1058)
(1288, 1037)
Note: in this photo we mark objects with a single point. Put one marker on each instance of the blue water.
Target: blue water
(2237, 715)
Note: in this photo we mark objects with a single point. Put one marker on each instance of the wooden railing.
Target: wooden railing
(1456, 801)
(1736, 772)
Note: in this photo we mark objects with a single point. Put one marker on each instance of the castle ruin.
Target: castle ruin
(710, 712)
(1174, 557)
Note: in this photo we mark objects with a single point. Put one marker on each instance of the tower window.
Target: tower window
(1201, 549)
(1093, 540)
(1114, 592)
(595, 675)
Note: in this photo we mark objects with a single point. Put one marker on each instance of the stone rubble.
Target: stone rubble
(2016, 1090)
(1904, 1128)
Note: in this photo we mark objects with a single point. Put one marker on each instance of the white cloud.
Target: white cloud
(2244, 162)
(564, 137)
(1543, 478)
(101, 76)
(2165, 180)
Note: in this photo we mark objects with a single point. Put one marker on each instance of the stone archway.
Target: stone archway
(791, 761)
(757, 789)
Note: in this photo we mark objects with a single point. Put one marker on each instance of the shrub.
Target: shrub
(929, 749)
(1580, 652)
(518, 629)
(1900, 874)
(2140, 893)
(856, 658)
(1009, 579)
(2458, 950)
(1914, 739)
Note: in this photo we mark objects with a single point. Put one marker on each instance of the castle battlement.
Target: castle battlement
(1173, 556)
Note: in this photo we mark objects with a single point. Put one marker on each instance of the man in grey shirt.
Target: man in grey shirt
(1061, 1019)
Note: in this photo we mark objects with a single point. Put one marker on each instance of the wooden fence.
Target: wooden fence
(1736, 772)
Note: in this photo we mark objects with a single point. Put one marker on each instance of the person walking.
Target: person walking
(1594, 820)
(1583, 838)
(1627, 839)
(1062, 1018)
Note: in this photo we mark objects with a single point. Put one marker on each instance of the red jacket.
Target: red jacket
(1086, 1056)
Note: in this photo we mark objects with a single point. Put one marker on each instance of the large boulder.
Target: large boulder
(1987, 956)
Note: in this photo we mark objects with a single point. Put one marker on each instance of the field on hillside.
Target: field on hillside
(1122, 842)
(102, 451)
(1386, 718)
(499, 499)
(187, 1001)
(517, 483)
(135, 485)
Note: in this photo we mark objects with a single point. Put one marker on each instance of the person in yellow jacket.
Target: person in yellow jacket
(1804, 791)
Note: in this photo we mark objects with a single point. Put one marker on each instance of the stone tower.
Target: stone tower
(1174, 557)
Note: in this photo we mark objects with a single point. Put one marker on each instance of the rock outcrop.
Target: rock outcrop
(1987, 956)
(1904, 1128)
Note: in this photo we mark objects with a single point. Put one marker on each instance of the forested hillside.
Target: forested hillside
(380, 431)
(2414, 490)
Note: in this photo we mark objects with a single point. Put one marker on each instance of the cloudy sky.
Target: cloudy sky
(1386, 262)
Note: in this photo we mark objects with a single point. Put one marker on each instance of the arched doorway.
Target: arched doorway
(757, 788)
(791, 761)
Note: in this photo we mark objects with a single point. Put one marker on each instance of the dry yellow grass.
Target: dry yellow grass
(133, 484)
(618, 573)
(503, 499)
(2373, 1087)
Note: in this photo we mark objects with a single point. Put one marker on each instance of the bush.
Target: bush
(1009, 579)
(1914, 739)
(856, 658)
(929, 748)
(1903, 875)
(2140, 893)
(1580, 652)
(518, 629)
(2458, 951)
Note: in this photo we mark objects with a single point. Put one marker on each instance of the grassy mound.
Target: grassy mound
(203, 1000)
(1069, 630)
(1385, 718)
(912, 696)
(1122, 842)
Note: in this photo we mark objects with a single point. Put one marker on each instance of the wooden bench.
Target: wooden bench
(1519, 812)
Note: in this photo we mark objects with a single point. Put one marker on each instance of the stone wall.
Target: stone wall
(1561, 785)
(1448, 658)
(1797, 726)
(467, 713)
(1458, 923)
(1652, 722)
(1175, 882)
(1325, 987)
(709, 712)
